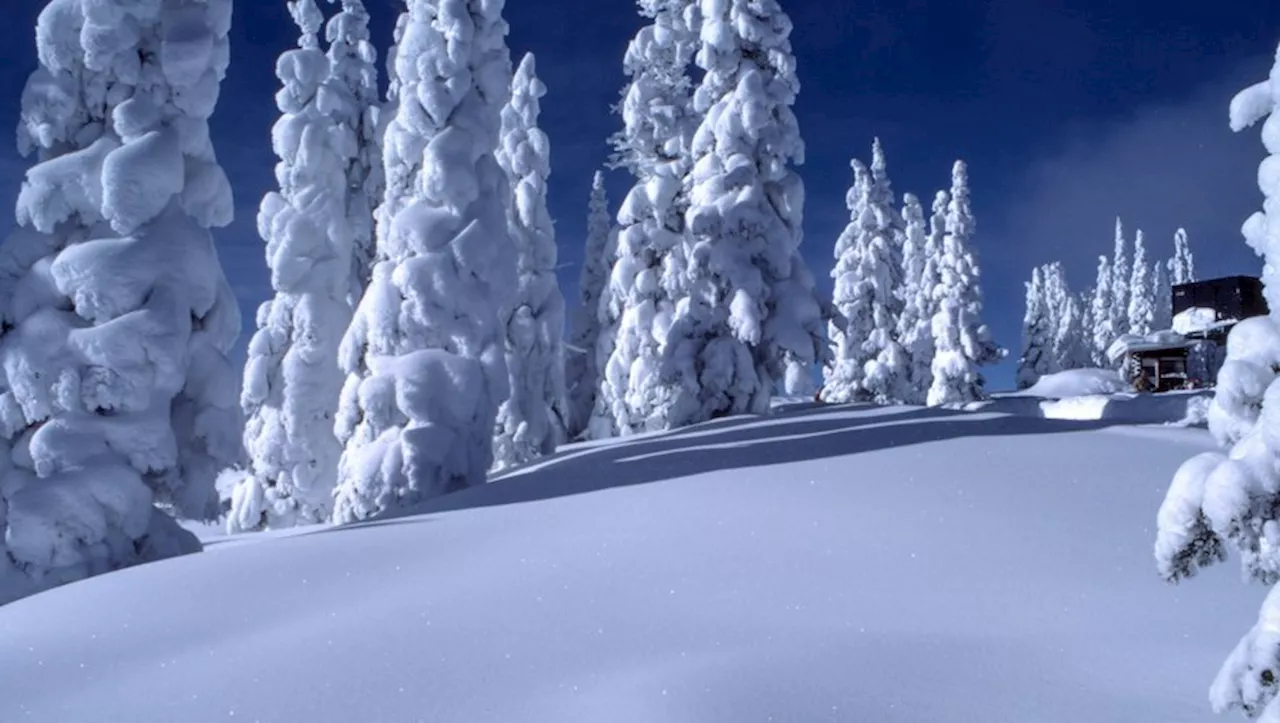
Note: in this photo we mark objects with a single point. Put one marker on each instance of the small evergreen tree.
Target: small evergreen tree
(582, 360)
(1104, 331)
(963, 343)
(1182, 267)
(1141, 291)
(1120, 271)
(1036, 340)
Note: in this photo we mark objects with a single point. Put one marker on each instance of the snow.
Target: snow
(731, 571)
(1075, 383)
(1194, 319)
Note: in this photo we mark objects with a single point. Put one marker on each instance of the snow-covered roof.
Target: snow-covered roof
(1160, 340)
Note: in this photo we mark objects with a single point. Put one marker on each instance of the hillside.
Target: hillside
(827, 564)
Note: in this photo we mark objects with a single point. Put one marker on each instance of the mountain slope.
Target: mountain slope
(827, 564)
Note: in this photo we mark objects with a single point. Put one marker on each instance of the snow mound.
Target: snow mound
(1076, 383)
(801, 567)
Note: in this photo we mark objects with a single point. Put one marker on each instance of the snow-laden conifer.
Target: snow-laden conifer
(117, 403)
(1141, 291)
(531, 422)
(870, 363)
(1055, 301)
(1103, 330)
(291, 376)
(425, 352)
(1120, 271)
(1070, 346)
(1182, 267)
(1037, 334)
(638, 384)
(750, 312)
(351, 96)
(1219, 501)
(963, 343)
(913, 330)
(582, 361)
(1162, 297)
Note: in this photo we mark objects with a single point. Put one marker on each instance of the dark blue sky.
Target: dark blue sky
(1068, 113)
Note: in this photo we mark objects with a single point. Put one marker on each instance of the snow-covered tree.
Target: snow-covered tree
(870, 363)
(1037, 334)
(963, 343)
(532, 421)
(637, 387)
(1141, 311)
(1055, 294)
(1070, 343)
(1104, 330)
(291, 377)
(1182, 267)
(1084, 302)
(750, 313)
(1162, 295)
(582, 363)
(350, 95)
(117, 402)
(1120, 271)
(913, 332)
(425, 352)
(1222, 500)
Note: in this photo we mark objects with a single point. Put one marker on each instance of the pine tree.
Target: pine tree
(531, 422)
(115, 398)
(1084, 302)
(1223, 500)
(351, 96)
(1055, 295)
(962, 341)
(1141, 311)
(1070, 349)
(750, 312)
(637, 387)
(1104, 331)
(869, 282)
(1162, 292)
(1182, 267)
(913, 330)
(1036, 334)
(1120, 271)
(425, 351)
(583, 369)
(291, 379)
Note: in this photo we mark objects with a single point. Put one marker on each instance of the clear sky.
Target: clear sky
(1069, 113)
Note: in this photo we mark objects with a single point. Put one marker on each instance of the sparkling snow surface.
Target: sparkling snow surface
(829, 564)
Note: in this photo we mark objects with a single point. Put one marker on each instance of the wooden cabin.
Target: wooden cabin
(1158, 366)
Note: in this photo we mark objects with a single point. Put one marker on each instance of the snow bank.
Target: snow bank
(1076, 383)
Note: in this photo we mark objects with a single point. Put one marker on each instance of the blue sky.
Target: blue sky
(1068, 113)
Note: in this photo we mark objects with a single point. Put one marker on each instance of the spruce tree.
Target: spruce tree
(1036, 334)
(750, 312)
(1104, 331)
(1182, 267)
(531, 422)
(1120, 271)
(913, 330)
(117, 407)
(1141, 310)
(425, 351)
(963, 343)
(583, 358)
(1162, 294)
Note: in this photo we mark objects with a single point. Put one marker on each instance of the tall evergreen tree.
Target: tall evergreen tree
(583, 360)
(1120, 271)
(913, 330)
(1141, 311)
(638, 383)
(1070, 348)
(531, 422)
(1104, 331)
(425, 352)
(1162, 294)
(116, 401)
(1036, 334)
(962, 341)
(1056, 295)
(291, 379)
(869, 283)
(1228, 500)
(1182, 267)
(750, 312)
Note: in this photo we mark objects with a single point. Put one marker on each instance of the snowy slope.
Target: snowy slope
(830, 564)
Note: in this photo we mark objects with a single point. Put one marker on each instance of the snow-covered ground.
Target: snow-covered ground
(827, 564)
